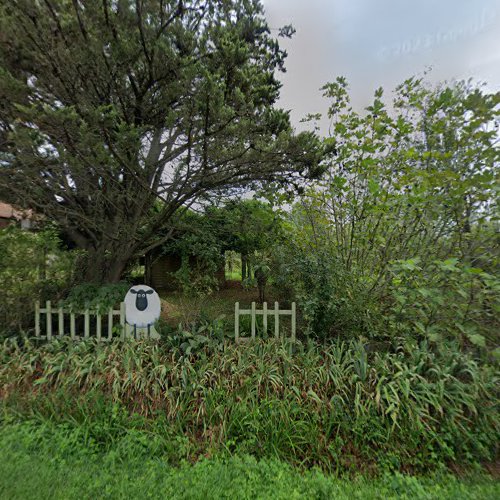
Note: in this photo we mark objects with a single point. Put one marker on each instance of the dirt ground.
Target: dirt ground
(177, 308)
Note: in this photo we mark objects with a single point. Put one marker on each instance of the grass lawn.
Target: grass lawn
(42, 461)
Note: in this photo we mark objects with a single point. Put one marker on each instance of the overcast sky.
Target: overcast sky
(381, 43)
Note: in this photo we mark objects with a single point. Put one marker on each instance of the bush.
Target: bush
(444, 300)
(400, 235)
(336, 407)
(332, 301)
(439, 301)
(32, 267)
(95, 297)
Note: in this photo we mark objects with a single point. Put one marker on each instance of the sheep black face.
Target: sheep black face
(141, 301)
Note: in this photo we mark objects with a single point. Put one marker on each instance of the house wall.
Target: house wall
(159, 272)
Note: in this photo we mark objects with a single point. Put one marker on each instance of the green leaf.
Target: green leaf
(434, 337)
(478, 340)
(373, 186)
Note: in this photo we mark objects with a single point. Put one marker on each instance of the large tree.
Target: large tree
(106, 105)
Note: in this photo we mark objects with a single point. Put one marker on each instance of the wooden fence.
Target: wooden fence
(104, 334)
(264, 312)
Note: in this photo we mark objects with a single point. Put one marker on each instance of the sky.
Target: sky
(377, 43)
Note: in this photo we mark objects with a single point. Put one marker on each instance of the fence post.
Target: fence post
(294, 322)
(122, 319)
(49, 320)
(276, 320)
(37, 318)
(236, 321)
(98, 326)
(72, 327)
(60, 322)
(253, 320)
(86, 328)
(264, 318)
(110, 323)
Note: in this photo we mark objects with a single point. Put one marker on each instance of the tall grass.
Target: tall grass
(335, 407)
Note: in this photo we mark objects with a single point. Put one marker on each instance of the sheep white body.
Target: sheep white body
(151, 313)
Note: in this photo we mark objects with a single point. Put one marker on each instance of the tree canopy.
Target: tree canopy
(106, 105)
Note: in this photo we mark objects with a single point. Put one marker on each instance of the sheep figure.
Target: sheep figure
(142, 310)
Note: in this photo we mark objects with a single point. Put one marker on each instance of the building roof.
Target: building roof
(6, 211)
(9, 212)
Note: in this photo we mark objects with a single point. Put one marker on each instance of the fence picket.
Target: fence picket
(37, 318)
(276, 320)
(294, 322)
(253, 320)
(264, 319)
(72, 325)
(86, 327)
(110, 323)
(236, 321)
(60, 322)
(49, 319)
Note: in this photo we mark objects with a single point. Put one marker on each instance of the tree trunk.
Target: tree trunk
(148, 266)
(244, 266)
(261, 278)
(105, 265)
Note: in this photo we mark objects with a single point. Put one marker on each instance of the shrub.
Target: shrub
(32, 267)
(444, 300)
(95, 297)
(333, 302)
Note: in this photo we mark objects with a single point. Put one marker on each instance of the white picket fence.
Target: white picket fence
(105, 322)
(264, 312)
(65, 327)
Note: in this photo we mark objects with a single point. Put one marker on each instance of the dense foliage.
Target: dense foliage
(400, 238)
(33, 266)
(336, 407)
(248, 227)
(94, 297)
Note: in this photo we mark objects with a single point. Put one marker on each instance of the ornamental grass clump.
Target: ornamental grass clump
(335, 407)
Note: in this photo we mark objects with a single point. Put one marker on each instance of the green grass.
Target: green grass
(233, 275)
(42, 460)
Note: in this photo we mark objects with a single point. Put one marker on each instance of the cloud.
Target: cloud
(381, 44)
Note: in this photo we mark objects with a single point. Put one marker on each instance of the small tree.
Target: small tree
(413, 182)
(245, 226)
(107, 105)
